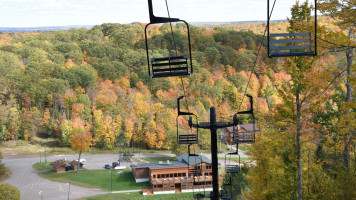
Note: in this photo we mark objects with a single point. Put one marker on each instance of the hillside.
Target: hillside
(62, 83)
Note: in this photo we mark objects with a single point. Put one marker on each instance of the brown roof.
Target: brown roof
(58, 164)
(245, 127)
(74, 162)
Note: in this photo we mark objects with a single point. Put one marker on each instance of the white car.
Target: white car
(82, 160)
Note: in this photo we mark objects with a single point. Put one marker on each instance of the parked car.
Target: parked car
(107, 166)
(82, 160)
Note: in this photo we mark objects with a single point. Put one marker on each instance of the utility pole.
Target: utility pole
(213, 126)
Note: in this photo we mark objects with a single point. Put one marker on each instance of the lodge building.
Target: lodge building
(187, 174)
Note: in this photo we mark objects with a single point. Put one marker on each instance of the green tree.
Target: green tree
(9, 192)
(343, 12)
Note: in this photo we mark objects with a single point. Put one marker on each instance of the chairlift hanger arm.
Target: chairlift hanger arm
(157, 20)
(251, 106)
(180, 112)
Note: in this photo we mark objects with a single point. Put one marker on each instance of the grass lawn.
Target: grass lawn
(98, 179)
(21, 147)
(157, 159)
(42, 165)
(222, 159)
(243, 148)
(138, 195)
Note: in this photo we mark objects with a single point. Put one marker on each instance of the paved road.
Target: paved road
(30, 184)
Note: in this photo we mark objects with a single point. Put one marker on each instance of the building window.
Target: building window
(163, 176)
(167, 175)
(175, 175)
(206, 174)
(184, 174)
(179, 174)
(159, 176)
(154, 176)
(171, 175)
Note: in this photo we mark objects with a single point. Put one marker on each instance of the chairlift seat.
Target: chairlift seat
(243, 137)
(290, 44)
(232, 169)
(170, 66)
(188, 139)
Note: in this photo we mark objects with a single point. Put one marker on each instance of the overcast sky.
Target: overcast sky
(30, 13)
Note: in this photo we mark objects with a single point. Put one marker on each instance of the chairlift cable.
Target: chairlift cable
(175, 47)
(185, 95)
(170, 23)
(258, 53)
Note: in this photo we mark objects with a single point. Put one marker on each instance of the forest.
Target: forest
(59, 84)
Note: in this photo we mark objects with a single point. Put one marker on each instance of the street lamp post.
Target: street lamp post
(111, 181)
(39, 150)
(41, 194)
(44, 150)
(68, 189)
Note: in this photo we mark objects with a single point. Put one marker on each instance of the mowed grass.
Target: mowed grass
(98, 179)
(222, 159)
(157, 159)
(138, 195)
(42, 165)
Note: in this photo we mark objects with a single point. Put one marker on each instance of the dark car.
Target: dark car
(107, 166)
(115, 164)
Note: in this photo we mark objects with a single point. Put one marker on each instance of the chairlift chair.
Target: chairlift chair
(195, 172)
(225, 195)
(186, 138)
(291, 44)
(239, 137)
(179, 65)
(232, 168)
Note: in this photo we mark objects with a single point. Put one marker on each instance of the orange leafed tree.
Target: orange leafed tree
(80, 142)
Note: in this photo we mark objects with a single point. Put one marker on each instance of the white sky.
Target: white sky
(30, 13)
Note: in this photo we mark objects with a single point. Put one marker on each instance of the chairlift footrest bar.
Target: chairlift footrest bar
(286, 54)
(243, 141)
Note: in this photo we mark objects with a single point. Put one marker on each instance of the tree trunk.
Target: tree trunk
(299, 147)
(80, 153)
(346, 152)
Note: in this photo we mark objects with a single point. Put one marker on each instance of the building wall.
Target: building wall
(141, 173)
(60, 169)
(173, 172)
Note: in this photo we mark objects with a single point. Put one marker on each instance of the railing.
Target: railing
(146, 189)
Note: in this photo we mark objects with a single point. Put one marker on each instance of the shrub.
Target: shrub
(9, 192)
